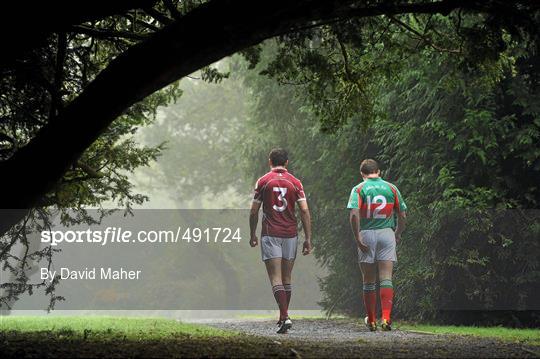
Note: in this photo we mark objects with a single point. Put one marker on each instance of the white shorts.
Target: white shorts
(275, 247)
(381, 243)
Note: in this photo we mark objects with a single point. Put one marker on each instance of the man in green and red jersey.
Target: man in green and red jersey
(374, 203)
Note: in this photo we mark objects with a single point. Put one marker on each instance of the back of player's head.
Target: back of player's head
(369, 166)
(278, 157)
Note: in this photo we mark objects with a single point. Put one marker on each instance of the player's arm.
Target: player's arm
(355, 203)
(253, 221)
(254, 212)
(305, 216)
(354, 219)
(401, 222)
(401, 215)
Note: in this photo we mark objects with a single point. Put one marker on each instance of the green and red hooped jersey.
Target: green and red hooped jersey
(377, 201)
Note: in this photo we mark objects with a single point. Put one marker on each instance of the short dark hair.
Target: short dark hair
(369, 166)
(278, 157)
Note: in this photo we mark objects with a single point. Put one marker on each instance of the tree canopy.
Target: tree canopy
(176, 49)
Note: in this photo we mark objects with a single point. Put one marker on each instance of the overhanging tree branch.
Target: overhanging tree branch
(175, 51)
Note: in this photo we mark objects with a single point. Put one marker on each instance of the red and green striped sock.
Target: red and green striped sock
(370, 301)
(387, 295)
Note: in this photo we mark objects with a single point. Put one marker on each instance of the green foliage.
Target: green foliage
(471, 174)
(453, 121)
(36, 89)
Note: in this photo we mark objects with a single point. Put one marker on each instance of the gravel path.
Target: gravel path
(347, 338)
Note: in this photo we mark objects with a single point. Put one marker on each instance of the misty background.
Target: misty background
(197, 169)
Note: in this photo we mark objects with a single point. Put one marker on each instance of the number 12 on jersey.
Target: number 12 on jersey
(378, 209)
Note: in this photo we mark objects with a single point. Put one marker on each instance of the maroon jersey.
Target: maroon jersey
(278, 190)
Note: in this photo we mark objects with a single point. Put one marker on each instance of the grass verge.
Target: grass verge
(108, 327)
(96, 336)
(523, 336)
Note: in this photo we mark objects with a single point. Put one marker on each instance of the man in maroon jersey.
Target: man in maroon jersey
(279, 191)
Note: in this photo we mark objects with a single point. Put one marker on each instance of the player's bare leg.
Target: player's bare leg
(273, 268)
(286, 274)
(369, 276)
(386, 292)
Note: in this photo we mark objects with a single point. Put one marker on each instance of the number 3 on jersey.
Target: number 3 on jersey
(282, 191)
